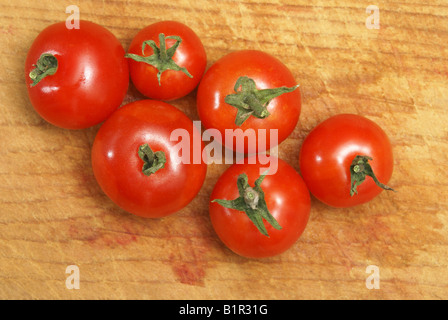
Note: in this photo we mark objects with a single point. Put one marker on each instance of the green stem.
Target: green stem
(252, 202)
(161, 59)
(46, 65)
(359, 169)
(153, 161)
(251, 101)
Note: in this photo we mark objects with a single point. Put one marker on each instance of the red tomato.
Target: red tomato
(327, 155)
(87, 77)
(123, 166)
(166, 60)
(223, 103)
(286, 198)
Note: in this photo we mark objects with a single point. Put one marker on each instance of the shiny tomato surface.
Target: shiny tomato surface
(327, 154)
(118, 167)
(91, 80)
(174, 84)
(268, 72)
(287, 199)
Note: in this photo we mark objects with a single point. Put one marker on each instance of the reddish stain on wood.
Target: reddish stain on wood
(189, 264)
(102, 238)
(189, 273)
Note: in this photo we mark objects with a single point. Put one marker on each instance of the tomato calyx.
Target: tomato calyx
(161, 59)
(251, 101)
(359, 169)
(46, 65)
(153, 161)
(252, 202)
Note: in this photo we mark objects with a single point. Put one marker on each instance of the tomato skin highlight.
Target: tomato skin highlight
(287, 199)
(174, 84)
(267, 72)
(328, 151)
(118, 168)
(91, 80)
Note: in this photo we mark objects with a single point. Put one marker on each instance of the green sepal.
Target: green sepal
(359, 169)
(252, 202)
(152, 161)
(251, 101)
(46, 65)
(161, 59)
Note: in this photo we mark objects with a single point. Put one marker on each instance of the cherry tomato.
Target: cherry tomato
(258, 215)
(138, 166)
(166, 60)
(76, 77)
(252, 91)
(346, 160)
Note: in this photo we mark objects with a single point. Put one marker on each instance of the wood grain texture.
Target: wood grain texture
(53, 213)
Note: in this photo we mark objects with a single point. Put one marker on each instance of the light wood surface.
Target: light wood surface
(53, 214)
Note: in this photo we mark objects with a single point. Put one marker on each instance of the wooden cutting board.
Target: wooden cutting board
(53, 214)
